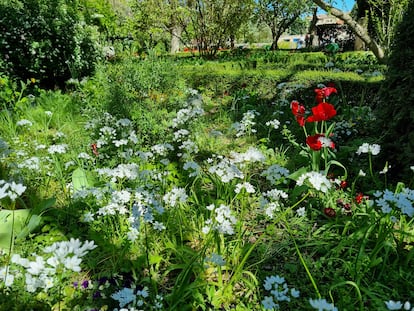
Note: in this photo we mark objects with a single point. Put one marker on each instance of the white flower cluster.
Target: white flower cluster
(162, 149)
(32, 163)
(193, 168)
(127, 295)
(398, 305)
(245, 126)
(11, 190)
(321, 304)
(175, 196)
(192, 110)
(118, 134)
(275, 174)
(189, 147)
(373, 149)
(251, 155)
(181, 135)
(144, 208)
(41, 272)
(222, 220)
(59, 148)
(404, 201)
(122, 171)
(270, 201)
(279, 291)
(248, 187)
(24, 122)
(225, 169)
(317, 181)
(273, 124)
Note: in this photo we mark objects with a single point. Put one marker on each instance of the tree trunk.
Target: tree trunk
(359, 45)
(175, 39)
(356, 28)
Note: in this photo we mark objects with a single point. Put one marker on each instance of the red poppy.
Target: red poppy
(322, 112)
(317, 141)
(329, 211)
(323, 93)
(298, 111)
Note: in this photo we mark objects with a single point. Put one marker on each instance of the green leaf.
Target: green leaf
(81, 179)
(295, 175)
(24, 223)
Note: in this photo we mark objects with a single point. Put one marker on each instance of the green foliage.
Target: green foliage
(145, 90)
(46, 40)
(397, 115)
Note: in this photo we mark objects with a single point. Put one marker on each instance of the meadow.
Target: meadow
(252, 182)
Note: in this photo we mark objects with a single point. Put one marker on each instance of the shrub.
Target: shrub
(145, 91)
(46, 40)
(397, 95)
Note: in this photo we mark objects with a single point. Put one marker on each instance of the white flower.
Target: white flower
(273, 123)
(24, 122)
(301, 211)
(193, 167)
(322, 304)
(274, 173)
(251, 155)
(48, 113)
(72, 263)
(124, 296)
(362, 173)
(132, 234)
(6, 276)
(294, 292)
(374, 149)
(393, 305)
(269, 304)
(158, 226)
(247, 186)
(37, 266)
(88, 217)
(316, 179)
(176, 195)
(57, 149)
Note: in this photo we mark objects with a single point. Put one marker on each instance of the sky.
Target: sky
(344, 5)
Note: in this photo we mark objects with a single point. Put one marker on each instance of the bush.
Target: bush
(397, 95)
(46, 40)
(143, 90)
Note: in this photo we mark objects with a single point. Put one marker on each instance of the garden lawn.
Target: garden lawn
(163, 184)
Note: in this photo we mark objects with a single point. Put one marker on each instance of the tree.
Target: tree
(279, 15)
(214, 23)
(384, 16)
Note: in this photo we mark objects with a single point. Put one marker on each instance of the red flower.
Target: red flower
(360, 197)
(323, 93)
(329, 211)
(298, 111)
(344, 184)
(313, 142)
(317, 141)
(94, 148)
(322, 112)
